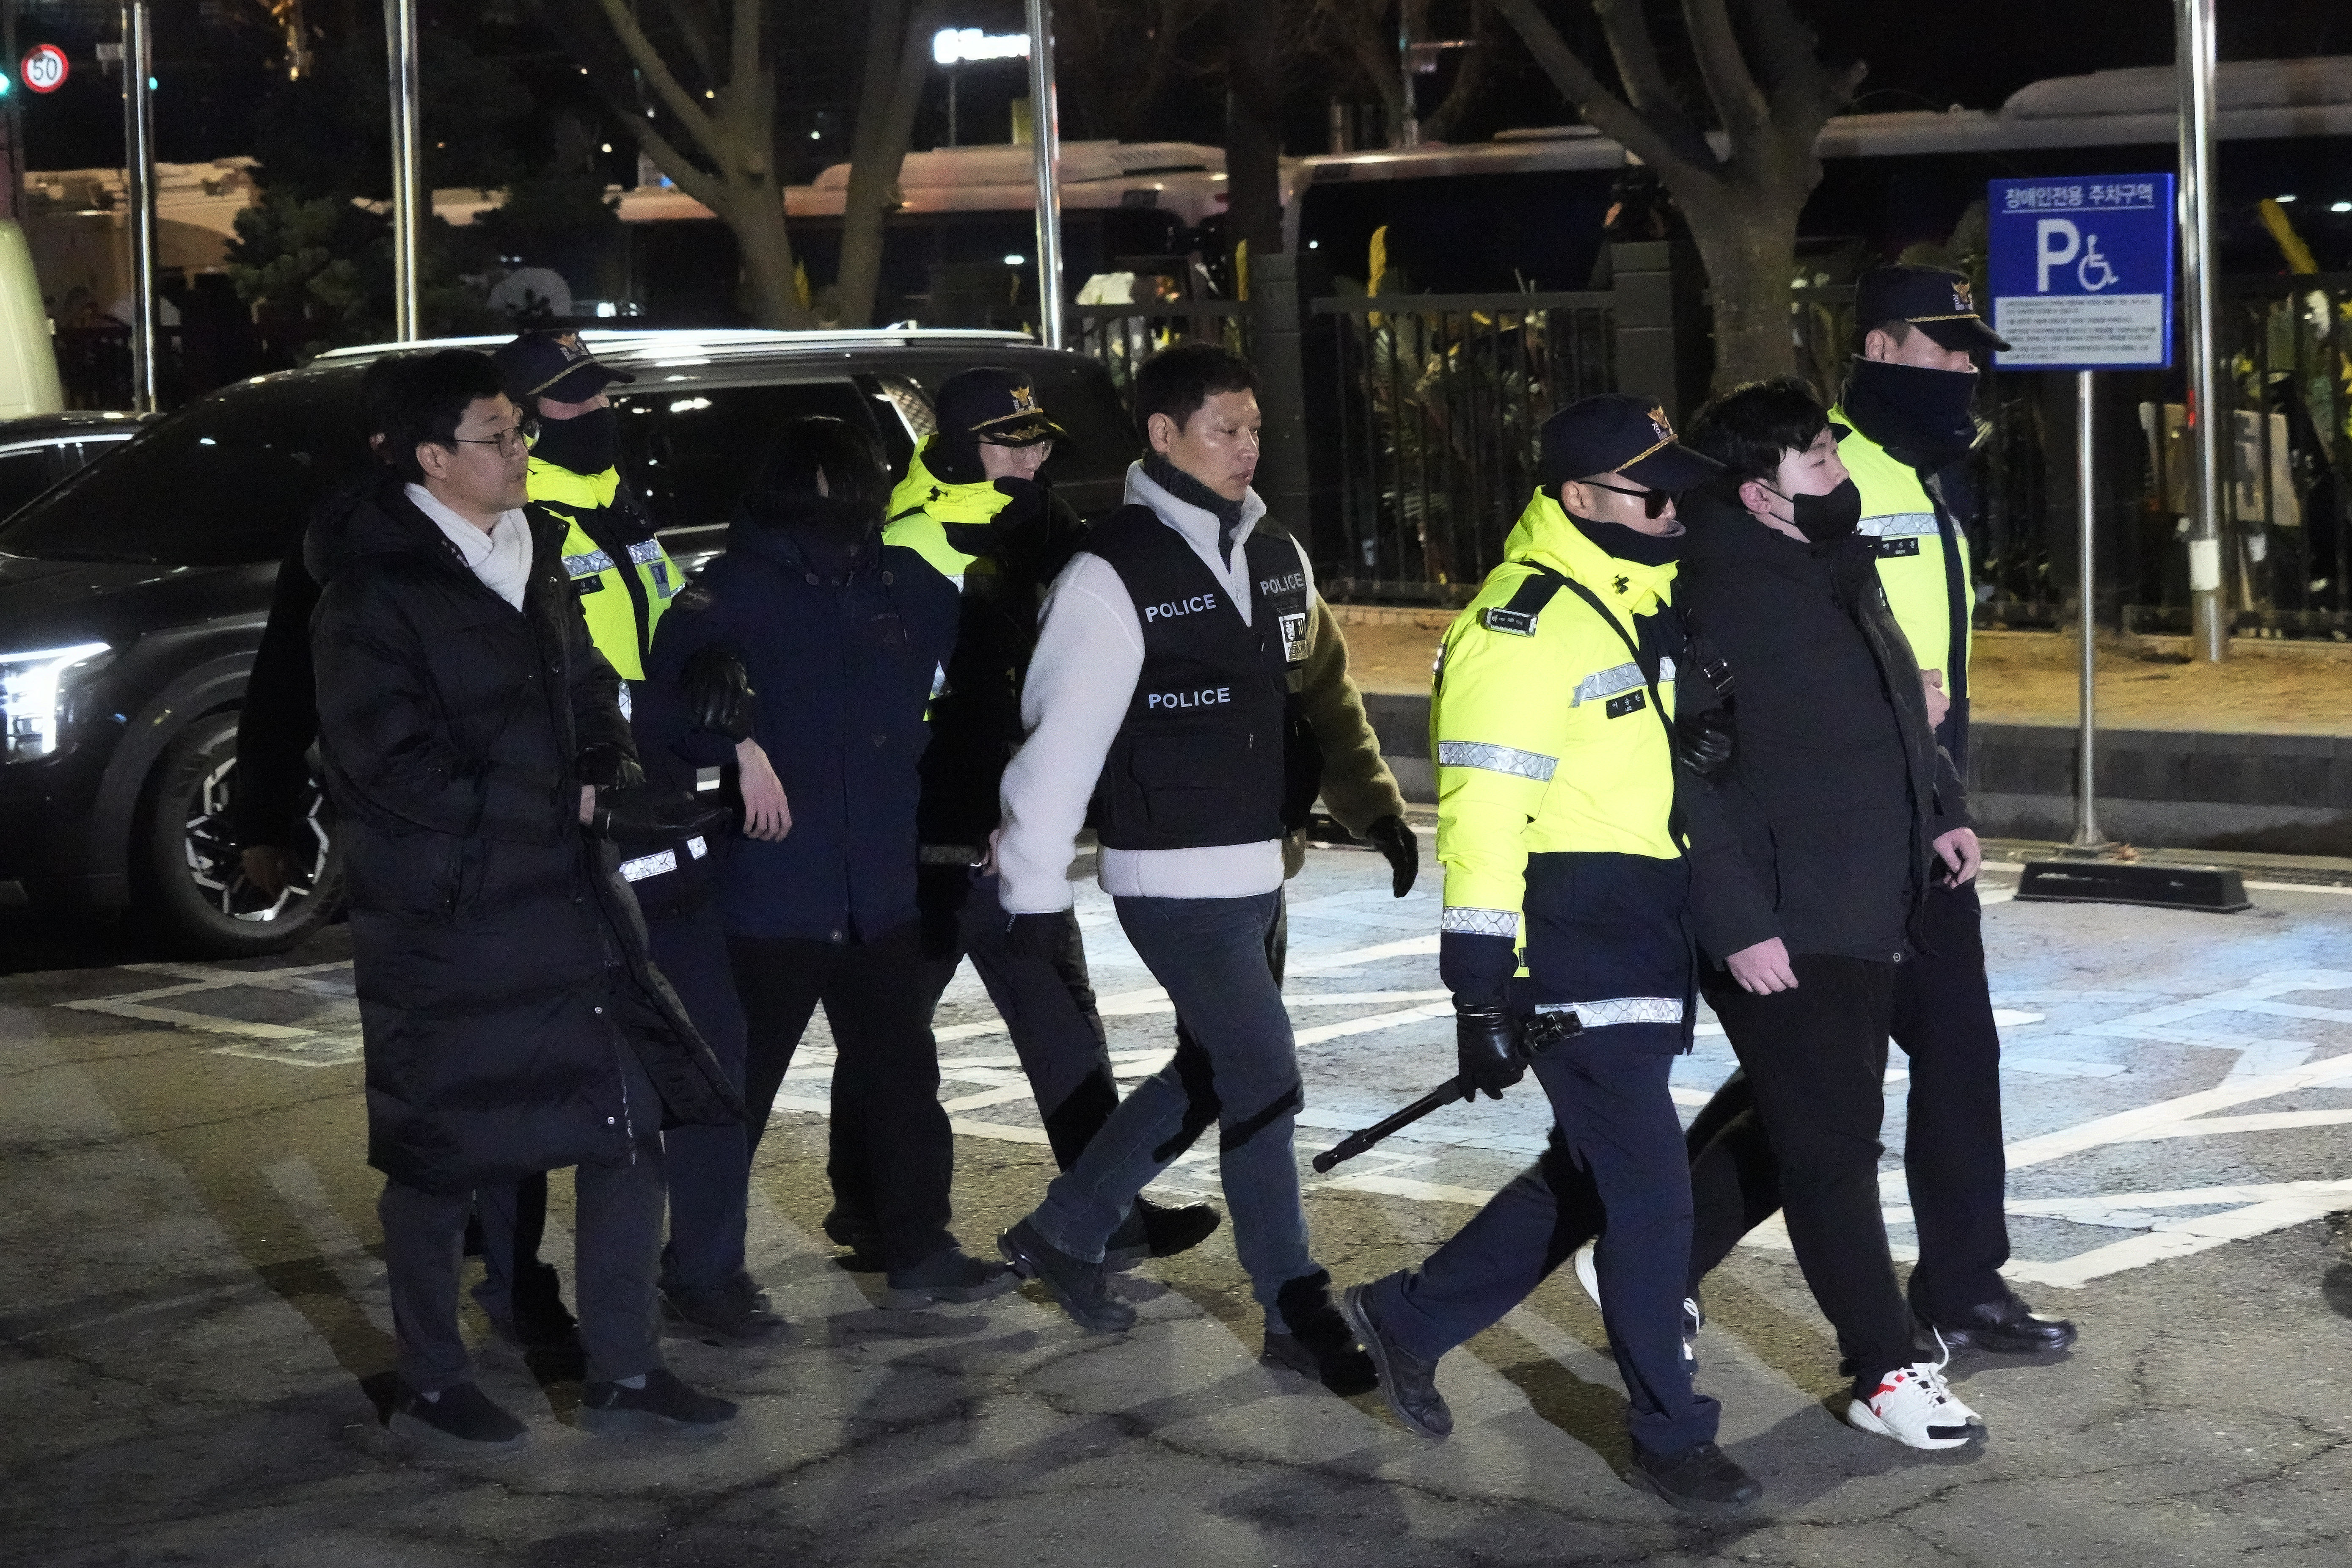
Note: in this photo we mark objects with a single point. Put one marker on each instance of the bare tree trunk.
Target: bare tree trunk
(769, 291)
(1742, 205)
(733, 128)
(898, 58)
(1252, 127)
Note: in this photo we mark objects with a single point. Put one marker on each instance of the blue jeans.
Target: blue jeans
(1209, 955)
(1616, 1169)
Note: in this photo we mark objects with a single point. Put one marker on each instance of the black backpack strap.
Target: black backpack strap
(1517, 618)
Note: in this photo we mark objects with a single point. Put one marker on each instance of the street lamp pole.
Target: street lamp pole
(2208, 596)
(1046, 144)
(400, 46)
(139, 182)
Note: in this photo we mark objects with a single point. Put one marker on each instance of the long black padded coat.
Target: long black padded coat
(501, 962)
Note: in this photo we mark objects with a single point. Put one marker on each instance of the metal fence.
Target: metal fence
(1124, 336)
(1432, 418)
(1422, 413)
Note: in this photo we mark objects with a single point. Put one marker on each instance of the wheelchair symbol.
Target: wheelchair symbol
(2093, 272)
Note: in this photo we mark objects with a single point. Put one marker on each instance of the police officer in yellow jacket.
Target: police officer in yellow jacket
(1907, 399)
(1554, 727)
(623, 577)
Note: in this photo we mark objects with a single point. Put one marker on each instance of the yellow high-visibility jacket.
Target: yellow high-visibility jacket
(596, 576)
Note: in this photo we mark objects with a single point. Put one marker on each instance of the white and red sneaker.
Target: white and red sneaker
(1914, 1406)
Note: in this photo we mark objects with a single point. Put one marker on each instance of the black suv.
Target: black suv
(132, 595)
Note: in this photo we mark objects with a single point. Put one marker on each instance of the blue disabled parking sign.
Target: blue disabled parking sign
(2081, 269)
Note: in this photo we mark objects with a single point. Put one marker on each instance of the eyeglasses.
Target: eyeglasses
(519, 439)
(1653, 503)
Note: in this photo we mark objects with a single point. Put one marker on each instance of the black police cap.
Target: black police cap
(1938, 302)
(1615, 434)
(997, 406)
(553, 365)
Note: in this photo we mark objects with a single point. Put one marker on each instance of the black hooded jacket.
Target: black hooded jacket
(501, 963)
(1822, 832)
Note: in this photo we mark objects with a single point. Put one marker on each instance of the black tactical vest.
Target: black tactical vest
(1200, 759)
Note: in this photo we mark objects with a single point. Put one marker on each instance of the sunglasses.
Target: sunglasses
(1653, 503)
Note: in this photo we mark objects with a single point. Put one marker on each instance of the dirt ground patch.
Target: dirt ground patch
(2020, 678)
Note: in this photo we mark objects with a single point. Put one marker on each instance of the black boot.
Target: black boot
(1320, 1344)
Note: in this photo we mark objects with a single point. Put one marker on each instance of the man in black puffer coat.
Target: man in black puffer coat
(1810, 861)
(513, 1021)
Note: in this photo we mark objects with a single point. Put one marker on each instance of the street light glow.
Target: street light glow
(1016, 261)
(2341, 207)
(951, 45)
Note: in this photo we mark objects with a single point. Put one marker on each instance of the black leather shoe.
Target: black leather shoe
(2005, 1327)
(1408, 1383)
(736, 1314)
(1075, 1283)
(1320, 1342)
(1701, 1478)
(1150, 1231)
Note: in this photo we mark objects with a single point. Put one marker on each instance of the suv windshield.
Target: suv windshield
(228, 482)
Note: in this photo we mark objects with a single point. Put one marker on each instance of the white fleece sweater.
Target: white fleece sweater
(1081, 678)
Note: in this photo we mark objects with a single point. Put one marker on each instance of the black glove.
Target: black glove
(1703, 741)
(1041, 937)
(608, 766)
(1024, 501)
(640, 815)
(1393, 838)
(1486, 1046)
(719, 695)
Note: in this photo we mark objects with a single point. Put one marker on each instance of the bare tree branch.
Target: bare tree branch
(1802, 88)
(1623, 24)
(694, 24)
(655, 70)
(1737, 102)
(1602, 108)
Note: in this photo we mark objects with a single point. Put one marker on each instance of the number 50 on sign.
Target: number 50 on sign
(44, 68)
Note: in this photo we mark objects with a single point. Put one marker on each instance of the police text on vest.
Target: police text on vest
(1174, 607)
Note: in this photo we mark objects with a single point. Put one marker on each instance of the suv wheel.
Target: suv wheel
(198, 896)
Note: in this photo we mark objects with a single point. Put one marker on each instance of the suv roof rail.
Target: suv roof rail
(724, 342)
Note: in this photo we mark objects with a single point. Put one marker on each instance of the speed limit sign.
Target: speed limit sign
(44, 68)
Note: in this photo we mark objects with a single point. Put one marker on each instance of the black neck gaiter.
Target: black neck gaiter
(1192, 492)
(1631, 543)
(586, 442)
(1919, 415)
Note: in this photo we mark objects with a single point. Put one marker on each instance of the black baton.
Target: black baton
(1356, 1143)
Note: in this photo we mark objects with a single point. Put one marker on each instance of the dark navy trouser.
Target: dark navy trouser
(1616, 1168)
(710, 1167)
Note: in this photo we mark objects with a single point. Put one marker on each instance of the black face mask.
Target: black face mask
(586, 442)
(1825, 519)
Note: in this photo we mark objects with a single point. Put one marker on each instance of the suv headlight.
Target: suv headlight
(29, 705)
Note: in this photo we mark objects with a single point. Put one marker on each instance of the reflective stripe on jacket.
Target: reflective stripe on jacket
(597, 573)
(1900, 517)
(1541, 726)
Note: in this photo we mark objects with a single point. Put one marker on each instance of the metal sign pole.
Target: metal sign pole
(400, 47)
(1046, 144)
(2209, 609)
(2086, 812)
(139, 179)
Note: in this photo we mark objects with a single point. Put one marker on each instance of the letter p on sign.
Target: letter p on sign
(2046, 255)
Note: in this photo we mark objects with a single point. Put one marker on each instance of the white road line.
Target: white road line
(2263, 1121)
(1322, 1032)
(2300, 888)
(1406, 1187)
(2125, 1125)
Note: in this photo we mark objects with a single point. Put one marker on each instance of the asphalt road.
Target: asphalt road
(192, 1310)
